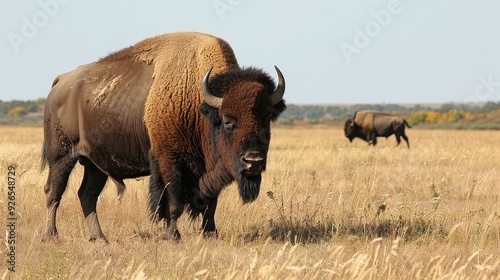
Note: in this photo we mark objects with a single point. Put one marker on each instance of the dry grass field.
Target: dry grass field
(328, 209)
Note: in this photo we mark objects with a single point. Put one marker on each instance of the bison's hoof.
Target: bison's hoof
(174, 235)
(210, 234)
(51, 235)
(49, 238)
(99, 238)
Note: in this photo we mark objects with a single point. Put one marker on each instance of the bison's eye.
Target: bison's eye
(229, 122)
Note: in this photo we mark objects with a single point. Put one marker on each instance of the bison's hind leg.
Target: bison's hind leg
(398, 139)
(406, 139)
(54, 188)
(93, 183)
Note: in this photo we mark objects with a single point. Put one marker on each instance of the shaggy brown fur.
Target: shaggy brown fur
(182, 84)
(194, 157)
(140, 110)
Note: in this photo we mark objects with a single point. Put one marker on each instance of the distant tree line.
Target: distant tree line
(313, 112)
(447, 115)
(18, 108)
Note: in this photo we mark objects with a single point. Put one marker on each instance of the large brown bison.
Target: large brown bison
(368, 125)
(175, 106)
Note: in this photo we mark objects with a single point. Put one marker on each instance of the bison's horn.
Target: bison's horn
(277, 95)
(211, 99)
(352, 122)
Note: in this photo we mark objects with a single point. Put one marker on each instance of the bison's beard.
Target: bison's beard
(249, 187)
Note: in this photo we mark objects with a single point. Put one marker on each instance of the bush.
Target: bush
(17, 111)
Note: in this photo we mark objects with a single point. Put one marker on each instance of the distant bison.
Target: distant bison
(368, 125)
(175, 106)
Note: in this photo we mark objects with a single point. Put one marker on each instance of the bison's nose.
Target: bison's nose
(251, 163)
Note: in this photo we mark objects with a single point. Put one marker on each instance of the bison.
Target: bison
(368, 125)
(176, 107)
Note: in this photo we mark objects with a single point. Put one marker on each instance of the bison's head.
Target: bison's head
(349, 129)
(240, 105)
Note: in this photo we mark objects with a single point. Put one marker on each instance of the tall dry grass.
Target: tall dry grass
(328, 209)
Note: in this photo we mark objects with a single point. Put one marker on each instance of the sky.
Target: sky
(330, 51)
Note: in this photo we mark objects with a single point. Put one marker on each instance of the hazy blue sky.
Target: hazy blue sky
(330, 51)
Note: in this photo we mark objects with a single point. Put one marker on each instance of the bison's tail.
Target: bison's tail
(46, 142)
(44, 159)
(407, 124)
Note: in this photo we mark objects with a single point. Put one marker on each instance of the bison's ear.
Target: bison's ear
(211, 113)
(278, 109)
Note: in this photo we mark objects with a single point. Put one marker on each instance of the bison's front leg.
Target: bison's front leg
(165, 194)
(209, 229)
(172, 231)
(372, 138)
(175, 207)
